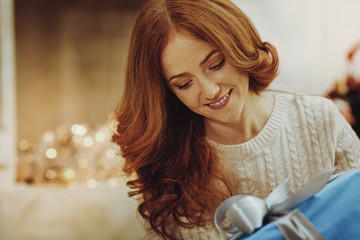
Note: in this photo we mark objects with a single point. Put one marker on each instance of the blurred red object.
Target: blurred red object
(346, 92)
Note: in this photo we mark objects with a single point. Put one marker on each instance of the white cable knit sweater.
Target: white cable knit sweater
(303, 136)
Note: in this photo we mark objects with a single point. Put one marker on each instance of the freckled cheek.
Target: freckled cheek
(219, 77)
(226, 75)
(237, 78)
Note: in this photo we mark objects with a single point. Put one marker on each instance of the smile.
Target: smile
(221, 103)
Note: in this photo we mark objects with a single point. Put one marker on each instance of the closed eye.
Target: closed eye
(184, 86)
(219, 65)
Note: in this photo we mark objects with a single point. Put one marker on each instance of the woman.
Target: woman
(195, 126)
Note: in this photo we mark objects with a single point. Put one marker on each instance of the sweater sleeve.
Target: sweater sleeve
(347, 143)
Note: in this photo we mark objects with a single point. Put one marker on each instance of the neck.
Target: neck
(256, 112)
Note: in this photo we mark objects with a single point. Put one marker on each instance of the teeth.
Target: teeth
(219, 102)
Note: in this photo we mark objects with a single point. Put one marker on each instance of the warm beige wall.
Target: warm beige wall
(70, 62)
(7, 96)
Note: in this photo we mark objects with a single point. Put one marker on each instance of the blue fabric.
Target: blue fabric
(334, 211)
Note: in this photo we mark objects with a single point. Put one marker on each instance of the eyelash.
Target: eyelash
(216, 67)
(219, 66)
(184, 86)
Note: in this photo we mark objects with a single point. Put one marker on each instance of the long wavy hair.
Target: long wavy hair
(177, 173)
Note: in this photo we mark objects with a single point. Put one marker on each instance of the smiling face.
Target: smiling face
(199, 75)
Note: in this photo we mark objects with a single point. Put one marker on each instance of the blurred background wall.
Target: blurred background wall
(70, 61)
(7, 96)
(313, 38)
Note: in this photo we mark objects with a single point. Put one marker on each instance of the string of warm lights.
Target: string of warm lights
(71, 156)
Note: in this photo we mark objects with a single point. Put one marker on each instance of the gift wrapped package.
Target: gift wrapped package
(334, 211)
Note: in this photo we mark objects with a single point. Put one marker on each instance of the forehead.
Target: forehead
(183, 52)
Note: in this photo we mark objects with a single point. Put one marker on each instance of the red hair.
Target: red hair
(176, 171)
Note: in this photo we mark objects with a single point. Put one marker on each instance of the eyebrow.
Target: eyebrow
(202, 63)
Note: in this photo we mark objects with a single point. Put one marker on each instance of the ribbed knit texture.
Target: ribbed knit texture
(303, 136)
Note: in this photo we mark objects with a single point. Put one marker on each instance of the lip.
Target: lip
(223, 104)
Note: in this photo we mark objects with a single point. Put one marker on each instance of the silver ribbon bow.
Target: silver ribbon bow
(247, 213)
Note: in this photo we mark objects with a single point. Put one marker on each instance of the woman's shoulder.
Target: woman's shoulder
(315, 102)
(302, 106)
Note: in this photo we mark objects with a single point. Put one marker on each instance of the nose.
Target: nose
(210, 89)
